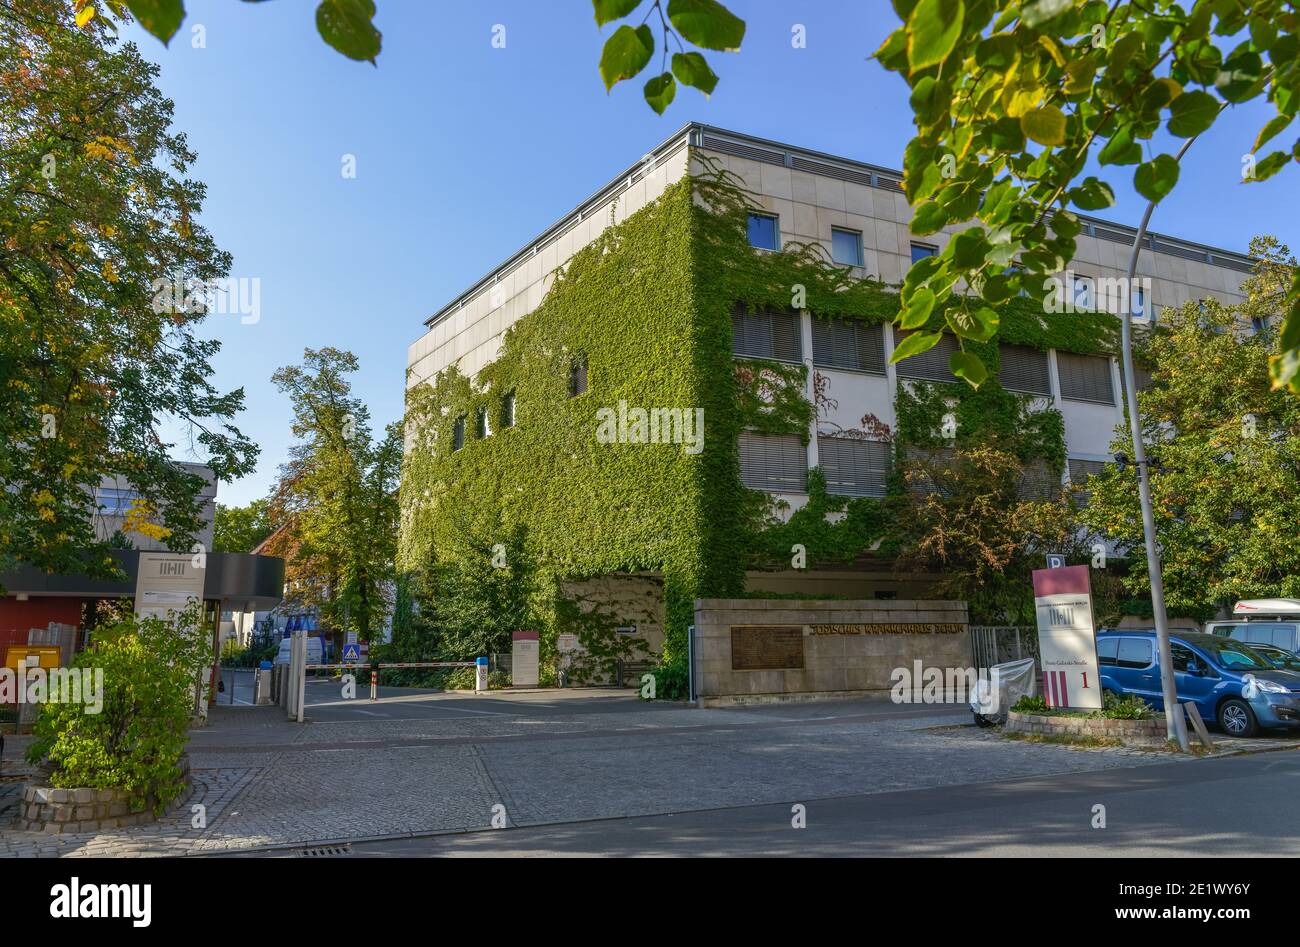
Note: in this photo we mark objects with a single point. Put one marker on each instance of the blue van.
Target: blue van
(1228, 682)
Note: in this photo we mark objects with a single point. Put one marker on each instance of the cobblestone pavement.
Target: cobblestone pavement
(264, 781)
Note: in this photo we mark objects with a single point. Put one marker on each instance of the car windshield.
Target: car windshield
(1234, 655)
(1278, 657)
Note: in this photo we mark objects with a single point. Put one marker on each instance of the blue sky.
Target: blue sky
(465, 152)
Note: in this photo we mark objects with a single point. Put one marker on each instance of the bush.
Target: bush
(1030, 705)
(672, 681)
(134, 742)
(1128, 707)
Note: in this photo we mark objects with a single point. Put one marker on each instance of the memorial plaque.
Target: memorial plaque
(766, 647)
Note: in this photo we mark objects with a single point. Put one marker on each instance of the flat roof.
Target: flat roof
(767, 151)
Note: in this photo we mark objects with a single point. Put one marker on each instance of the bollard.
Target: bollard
(480, 675)
(374, 684)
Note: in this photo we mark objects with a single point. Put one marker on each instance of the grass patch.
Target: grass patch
(1065, 739)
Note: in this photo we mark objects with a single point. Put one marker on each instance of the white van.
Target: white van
(1274, 621)
(315, 653)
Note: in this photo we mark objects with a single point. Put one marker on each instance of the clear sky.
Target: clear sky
(465, 152)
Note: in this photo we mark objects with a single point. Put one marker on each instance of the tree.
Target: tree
(241, 528)
(348, 26)
(1225, 450)
(967, 517)
(1010, 99)
(95, 214)
(473, 594)
(337, 496)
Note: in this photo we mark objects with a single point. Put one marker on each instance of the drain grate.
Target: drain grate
(326, 851)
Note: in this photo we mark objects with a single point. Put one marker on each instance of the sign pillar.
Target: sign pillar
(1067, 640)
(524, 659)
(480, 675)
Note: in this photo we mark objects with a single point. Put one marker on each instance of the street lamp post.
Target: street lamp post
(1176, 726)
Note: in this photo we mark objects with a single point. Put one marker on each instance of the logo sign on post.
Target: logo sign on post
(524, 659)
(166, 582)
(1067, 641)
(352, 652)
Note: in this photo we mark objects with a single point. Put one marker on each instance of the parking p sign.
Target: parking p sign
(1067, 641)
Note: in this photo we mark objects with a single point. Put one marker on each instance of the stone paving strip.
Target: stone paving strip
(269, 783)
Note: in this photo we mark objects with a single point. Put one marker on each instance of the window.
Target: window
(922, 250)
(846, 247)
(1134, 653)
(508, 411)
(763, 232)
(113, 501)
(482, 427)
(458, 433)
(854, 468)
(849, 343)
(931, 364)
(766, 334)
(1180, 656)
(577, 376)
(1085, 377)
(777, 463)
(1024, 369)
(1107, 648)
(1081, 291)
(1080, 471)
(1258, 324)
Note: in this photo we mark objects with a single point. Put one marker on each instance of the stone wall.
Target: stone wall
(57, 811)
(1130, 732)
(844, 647)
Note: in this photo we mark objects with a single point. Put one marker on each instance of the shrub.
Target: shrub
(1030, 705)
(150, 672)
(1128, 707)
(672, 681)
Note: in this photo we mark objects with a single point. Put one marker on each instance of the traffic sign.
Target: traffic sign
(352, 652)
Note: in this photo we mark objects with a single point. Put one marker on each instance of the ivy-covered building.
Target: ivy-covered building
(688, 376)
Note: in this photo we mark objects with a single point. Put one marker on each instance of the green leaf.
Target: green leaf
(1040, 11)
(1240, 77)
(1006, 135)
(608, 10)
(625, 54)
(978, 326)
(967, 365)
(660, 91)
(1192, 113)
(929, 99)
(707, 23)
(1093, 194)
(929, 218)
(932, 31)
(347, 26)
(915, 344)
(1285, 368)
(1157, 178)
(918, 310)
(1121, 149)
(693, 70)
(1271, 129)
(162, 18)
(1045, 125)
(1269, 166)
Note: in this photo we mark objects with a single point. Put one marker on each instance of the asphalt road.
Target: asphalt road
(1240, 805)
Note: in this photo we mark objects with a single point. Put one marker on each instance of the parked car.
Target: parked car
(315, 651)
(1274, 621)
(1230, 683)
(1280, 658)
